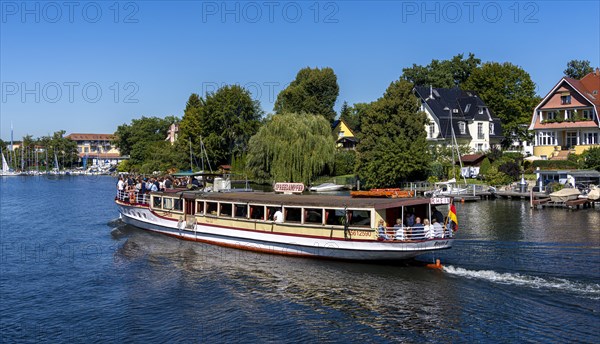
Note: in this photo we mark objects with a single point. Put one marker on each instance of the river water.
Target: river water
(72, 272)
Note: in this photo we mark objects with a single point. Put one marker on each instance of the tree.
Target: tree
(507, 90)
(442, 74)
(393, 145)
(592, 158)
(138, 139)
(313, 91)
(292, 148)
(224, 121)
(577, 69)
(352, 115)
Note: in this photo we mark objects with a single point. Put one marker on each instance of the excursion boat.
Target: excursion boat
(320, 226)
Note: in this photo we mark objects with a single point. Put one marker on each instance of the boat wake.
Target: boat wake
(591, 291)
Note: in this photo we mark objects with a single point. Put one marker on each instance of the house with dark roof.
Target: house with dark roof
(566, 120)
(345, 138)
(453, 109)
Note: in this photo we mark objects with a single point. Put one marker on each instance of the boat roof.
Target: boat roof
(269, 198)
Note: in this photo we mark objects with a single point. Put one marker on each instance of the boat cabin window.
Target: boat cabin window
(313, 216)
(240, 211)
(271, 211)
(257, 212)
(359, 218)
(200, 207)
(293, 214)
(225, 209)
(334, 217)
(211, 208)
(167, 203)
(178, 204)
(156, 202)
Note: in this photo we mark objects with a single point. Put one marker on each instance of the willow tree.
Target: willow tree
(393, 144)
(292, 148)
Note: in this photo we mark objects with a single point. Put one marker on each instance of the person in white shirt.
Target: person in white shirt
(438, 229)
(278, 216)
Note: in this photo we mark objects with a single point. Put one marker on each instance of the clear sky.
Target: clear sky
(88, 67)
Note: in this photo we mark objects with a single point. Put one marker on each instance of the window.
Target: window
(257, 212)
(225, 209)
(571, 139)
(200, 207)
(546, 138)
(590, 138)
(157, 202)
(211, 208)
(431, 130)
(360, 218)
(240, 211)
(492, 132)
(167, 203)
(569, 114)
(292, 214)
(587, 114)
(467, 108)
(462, 128)
(480, 147)
(313, 216)
(334, 217)
(550, 115)
(480, 135)
(481, 111)
(566, 99)
(178, 204)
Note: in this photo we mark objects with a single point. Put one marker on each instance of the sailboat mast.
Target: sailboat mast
(452, 143)
(191, 164)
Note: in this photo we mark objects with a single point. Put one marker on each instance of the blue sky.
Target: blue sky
(90, 66)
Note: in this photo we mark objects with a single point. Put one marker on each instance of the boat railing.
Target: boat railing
(414, 233)
(133, 197)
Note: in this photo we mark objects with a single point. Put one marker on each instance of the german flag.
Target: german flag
(452, 216)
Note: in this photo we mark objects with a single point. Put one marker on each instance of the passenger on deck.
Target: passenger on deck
(418, 230)
(168, 183)
(410, 219)
(437, 215)
(399, 230)
(428, 229)
(438, 230)
(382, 235)
(278, 216)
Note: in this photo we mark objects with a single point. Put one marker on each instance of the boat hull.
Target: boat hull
(281, 244)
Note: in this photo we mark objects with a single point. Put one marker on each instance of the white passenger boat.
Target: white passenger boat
(337, 227)
(327, 187)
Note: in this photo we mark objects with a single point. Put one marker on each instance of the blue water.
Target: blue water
(70, 271)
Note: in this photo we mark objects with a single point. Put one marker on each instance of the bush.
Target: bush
(484, 167)
(437, 170)
(511, 169)
(591, 158)
(495, 177)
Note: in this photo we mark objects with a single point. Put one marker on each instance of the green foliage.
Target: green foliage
(144, 141)
(553, 164)
(444, 74)
(344, 162)
(314, 91)
(577, 160)
(577, 69)
(393, 146)
(437, 170)
(507, 90)
(352, 116)
(485, 166)
(224, 122)
(514, 156)
(495, 177)
(292, 148)
(592, 158)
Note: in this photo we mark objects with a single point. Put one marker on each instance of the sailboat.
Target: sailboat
(6, 171)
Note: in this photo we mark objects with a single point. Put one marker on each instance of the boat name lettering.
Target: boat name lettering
(440, 200)
(289, 187)
(441, 243)
(360, 233)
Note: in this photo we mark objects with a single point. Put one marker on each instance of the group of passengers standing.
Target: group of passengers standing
(414, 228)
(130, 187)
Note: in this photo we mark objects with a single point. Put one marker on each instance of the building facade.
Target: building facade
(462, 112)
(566, 120)
(96, 149)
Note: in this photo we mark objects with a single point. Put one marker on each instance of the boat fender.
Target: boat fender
(437, 265)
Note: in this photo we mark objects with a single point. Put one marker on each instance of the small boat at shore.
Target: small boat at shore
(388, 193)
(319, 226)
(327, 187)
(564, 195)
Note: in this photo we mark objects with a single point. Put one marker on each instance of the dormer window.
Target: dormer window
(462, 128)
(481, 111)
(566, 99)
(492, 129)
